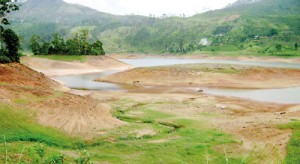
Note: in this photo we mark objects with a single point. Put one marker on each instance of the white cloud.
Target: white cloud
(157, 7)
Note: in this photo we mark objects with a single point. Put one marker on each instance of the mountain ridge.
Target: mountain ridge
(236, 24)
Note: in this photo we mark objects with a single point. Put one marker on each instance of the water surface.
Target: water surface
(86, 81)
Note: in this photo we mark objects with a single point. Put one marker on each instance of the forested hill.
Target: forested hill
(267, 27)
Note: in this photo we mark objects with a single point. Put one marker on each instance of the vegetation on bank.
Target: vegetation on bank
(67, 58)
(78, 45)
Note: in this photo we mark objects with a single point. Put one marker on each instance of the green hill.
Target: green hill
(269, 27)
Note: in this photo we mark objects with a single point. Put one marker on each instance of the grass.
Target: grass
(293, 148)
(67, 58)
(20, 125)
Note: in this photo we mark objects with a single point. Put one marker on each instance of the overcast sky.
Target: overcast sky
(156, 7)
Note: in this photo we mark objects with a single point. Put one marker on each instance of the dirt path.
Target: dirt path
(61, 68)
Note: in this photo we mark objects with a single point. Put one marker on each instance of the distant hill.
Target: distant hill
(56, 11)
(248, 26)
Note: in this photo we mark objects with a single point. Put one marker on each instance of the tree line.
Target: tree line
(77, 45)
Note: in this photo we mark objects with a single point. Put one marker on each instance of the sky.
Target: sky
(153, 7)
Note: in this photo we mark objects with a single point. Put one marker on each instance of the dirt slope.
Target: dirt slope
(209, 75)
(23, 87)
(61, 68)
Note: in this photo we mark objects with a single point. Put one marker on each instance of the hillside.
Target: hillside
(265, 27)
(45, 105)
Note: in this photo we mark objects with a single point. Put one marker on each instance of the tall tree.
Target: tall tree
(12, 42)
(8, 37)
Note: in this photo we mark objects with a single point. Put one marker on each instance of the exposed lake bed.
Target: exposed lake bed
(252, 120)
(262, 81)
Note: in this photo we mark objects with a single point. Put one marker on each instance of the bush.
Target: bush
(4, 59)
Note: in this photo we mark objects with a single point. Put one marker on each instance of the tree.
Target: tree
(12, 42)
(8, 37)
(58, 45)
(35, 45)
(296, 46)
(6, 7)
(97, 48)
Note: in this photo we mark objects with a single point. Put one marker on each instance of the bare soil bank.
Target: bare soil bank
(23, 87)
(209, 75)
(61, 68)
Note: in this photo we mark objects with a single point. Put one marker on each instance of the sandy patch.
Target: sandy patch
(145, 132)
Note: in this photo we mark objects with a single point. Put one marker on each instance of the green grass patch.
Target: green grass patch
(293, 148)
(20, 125)
(189, 144)
(68, 58)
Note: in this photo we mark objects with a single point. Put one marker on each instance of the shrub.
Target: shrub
(4, 59)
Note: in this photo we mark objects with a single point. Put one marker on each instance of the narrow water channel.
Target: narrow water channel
(284, 96)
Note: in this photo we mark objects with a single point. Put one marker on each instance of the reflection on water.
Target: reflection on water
(286, 95)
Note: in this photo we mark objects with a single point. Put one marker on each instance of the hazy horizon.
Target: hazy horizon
(153, 7)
